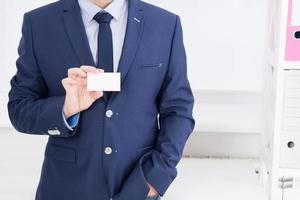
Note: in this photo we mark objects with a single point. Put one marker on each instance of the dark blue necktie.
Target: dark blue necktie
(105, 43)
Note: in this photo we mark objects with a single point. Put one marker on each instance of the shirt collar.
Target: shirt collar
(89, 9)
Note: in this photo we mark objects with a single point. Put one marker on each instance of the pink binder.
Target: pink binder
(292, 51)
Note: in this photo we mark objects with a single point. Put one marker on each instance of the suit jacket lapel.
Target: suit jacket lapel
(76, 32)
(134, 29)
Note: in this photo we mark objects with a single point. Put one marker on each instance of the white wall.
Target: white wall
(224, 40)
(225, 44)
(11, 13)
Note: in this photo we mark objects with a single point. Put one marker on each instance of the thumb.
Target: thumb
(96, 94)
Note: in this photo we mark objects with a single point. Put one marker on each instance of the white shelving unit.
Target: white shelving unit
(280, 162)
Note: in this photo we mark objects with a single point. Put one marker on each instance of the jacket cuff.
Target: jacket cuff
(137, 181)
(158, 177)
(51, 120)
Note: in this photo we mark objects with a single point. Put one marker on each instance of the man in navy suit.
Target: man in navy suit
(103, 145)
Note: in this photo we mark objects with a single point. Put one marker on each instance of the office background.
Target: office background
(225, 43)
(225, 47)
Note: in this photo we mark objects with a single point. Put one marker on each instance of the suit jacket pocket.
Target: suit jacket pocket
(144, 150)
(149, 66)
(60, 153)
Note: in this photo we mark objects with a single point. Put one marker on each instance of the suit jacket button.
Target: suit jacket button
(108, 150)
(109, 113)
(54, 132)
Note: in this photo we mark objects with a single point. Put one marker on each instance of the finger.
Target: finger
(82, 82)
(75, 72)
(101, 70)
(68, 82)
(90, 69)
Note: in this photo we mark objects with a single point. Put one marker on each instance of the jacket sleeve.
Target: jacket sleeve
(176, 101)
(31, 109)
(176, 119)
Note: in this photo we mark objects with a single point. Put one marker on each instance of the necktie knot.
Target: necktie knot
(103, 17)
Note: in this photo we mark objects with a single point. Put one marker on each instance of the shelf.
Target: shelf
(291, 65)
(289, 172)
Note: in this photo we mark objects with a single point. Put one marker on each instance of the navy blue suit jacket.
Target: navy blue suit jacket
(152, 115)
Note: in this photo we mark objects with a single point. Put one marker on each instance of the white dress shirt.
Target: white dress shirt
(119, 10)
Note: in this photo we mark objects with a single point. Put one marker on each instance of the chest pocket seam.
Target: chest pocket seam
(148, 66)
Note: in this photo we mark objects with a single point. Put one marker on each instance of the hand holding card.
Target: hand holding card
(104, 82)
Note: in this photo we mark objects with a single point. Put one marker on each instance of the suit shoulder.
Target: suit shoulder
(157, 11)
(45, 10)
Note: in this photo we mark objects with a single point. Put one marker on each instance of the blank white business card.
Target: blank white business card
(107, 81)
